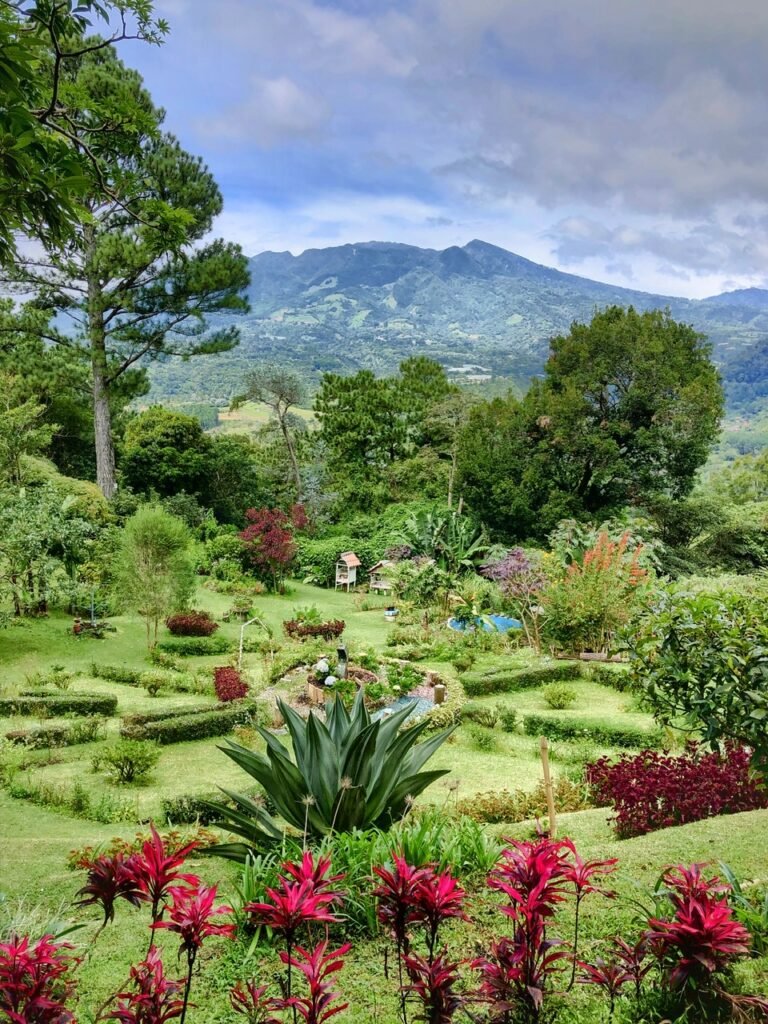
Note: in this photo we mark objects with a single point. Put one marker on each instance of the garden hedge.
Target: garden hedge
(117, 674)
(140, 718)
(190, 646)
(60, 704)
(40, 737)
(199, 726)
(555, 728)
(480, 684)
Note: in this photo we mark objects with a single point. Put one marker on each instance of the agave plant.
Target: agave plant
(347, 772)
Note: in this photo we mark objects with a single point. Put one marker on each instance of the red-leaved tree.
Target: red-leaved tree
(268, 540)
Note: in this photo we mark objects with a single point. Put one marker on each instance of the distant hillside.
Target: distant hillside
(478, 309)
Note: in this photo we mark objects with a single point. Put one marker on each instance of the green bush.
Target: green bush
(40, 737)
(48, 705)
(482, 738)
(117, 674)
(127, 761)
(508, 719)
(520, 805)
(140, 718)
(617, 678)
(181, 728)
(192, 646)
(480, 684)
(583, 729)
(558, 696)
(77, 801)
(316, 558)
(56, 676)
(484, 714)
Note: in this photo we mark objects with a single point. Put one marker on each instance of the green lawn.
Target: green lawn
(34, 841)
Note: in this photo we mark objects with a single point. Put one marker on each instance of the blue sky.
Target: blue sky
(618, 139)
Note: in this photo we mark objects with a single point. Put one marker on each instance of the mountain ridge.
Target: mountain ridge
(372, 304)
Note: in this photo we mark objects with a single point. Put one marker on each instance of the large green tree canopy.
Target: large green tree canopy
(45, 162)
(628, 408)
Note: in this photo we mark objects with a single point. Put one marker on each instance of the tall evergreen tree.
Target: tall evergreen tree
(136, 281)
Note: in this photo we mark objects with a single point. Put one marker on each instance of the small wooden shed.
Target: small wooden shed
(346, 569)
(378, 576)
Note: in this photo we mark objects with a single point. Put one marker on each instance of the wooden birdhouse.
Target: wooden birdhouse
(378, 576)
(346, 569)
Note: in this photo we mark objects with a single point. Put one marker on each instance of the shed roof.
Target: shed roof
(350, 559)
(383, 563)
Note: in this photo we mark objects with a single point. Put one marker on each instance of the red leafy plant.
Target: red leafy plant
(229, 684)
(433, 982)
(155, 999)
(305, 895)
(34, 986)
(410, 896)
(191, 623)
(534, 878)
(702, 937)
(583, 876)
(268, 540)
(252, 1001)
(610, 977)
(111, 878)
(157, 868)
(191, 916)
(317, 966)
(629, 964)
(652, 790)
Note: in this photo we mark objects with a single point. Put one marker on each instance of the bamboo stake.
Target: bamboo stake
(548, 787)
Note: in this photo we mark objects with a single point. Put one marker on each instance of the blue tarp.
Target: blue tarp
(501, 623)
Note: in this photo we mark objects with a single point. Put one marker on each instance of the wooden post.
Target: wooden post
(548, 788)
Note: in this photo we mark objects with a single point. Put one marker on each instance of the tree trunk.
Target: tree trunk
(102, 415)
(292, 457)
(452, 476)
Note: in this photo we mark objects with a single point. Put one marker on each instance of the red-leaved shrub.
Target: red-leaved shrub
(651, 790)
(229, 684)
(330, 630)
(191, 624)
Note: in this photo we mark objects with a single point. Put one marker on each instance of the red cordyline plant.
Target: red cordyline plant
(534, 877)
(155, 999)
(437, 897)
(583, 876)
(305, 896)
(157, 868)
(252, 1001)
(433, 982)
(317, 966)
(702, 938)
(34, 987)
(396, 895)
(610, 977)
(191, 917)
(111, 878)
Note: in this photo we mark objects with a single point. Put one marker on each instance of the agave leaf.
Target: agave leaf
(230, 851)
(323, 763)
(350, 809)
(421, 752)
(297, 727)
(411, 786)
(358, 763)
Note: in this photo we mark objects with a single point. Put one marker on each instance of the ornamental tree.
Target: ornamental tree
(268, 539)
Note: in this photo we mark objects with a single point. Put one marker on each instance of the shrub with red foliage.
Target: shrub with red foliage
(702, 938)
(330, 630)
(33, 981)
(652, 790)
(155, 999)
(229, 684)
(191, 623)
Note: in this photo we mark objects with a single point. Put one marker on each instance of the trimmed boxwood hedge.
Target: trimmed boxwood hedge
(617, 678)
(61, 704)
(140, 718)
(480, 684)
(196, 726)
(117, 674)
(584, 729)
(191, 646)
